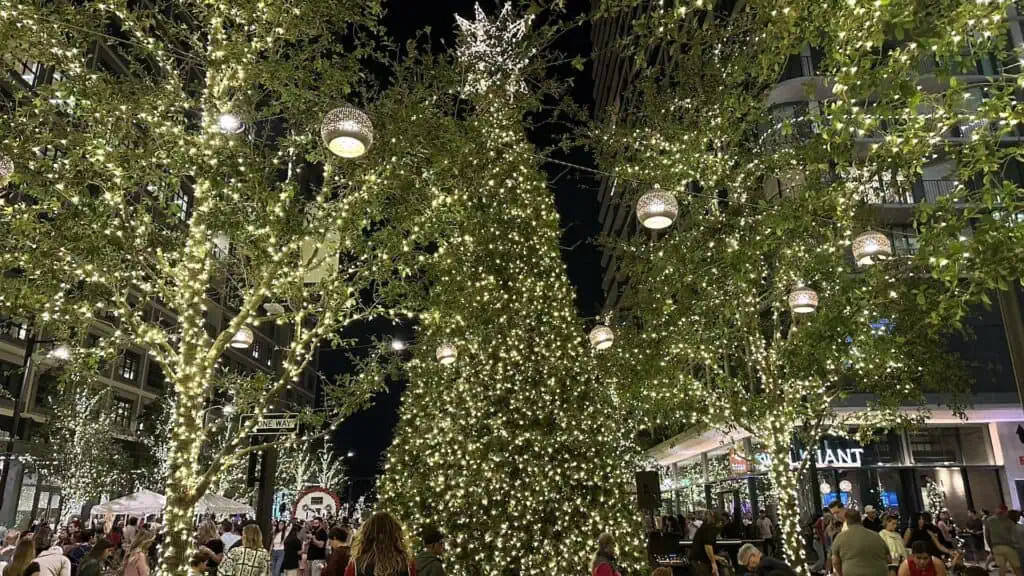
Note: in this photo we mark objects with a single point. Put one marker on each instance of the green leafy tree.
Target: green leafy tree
(516, 449)
(194, 180)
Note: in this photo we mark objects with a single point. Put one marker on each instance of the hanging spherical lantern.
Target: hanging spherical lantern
(824, 488)
(870, 247)
(6, 170)
(845, 486)
(447, 354)
(803, 300)
(657, 209)
(243, 338)
(601, 337)
(229, 123)
(347, 132)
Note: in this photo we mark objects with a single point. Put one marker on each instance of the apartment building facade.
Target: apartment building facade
(978, 462)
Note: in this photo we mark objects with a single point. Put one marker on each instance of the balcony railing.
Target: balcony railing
(932, 190)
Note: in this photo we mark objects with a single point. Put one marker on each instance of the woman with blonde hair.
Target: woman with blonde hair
(249, 559)
(136, 561)
(381, 549)
(604, 558)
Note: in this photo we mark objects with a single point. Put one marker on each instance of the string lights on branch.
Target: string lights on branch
(447, 354)
(347, 132)
(871, 246)
(657, 209)
(243, 338)
(601, 337)
(6, 170)
(803, 300)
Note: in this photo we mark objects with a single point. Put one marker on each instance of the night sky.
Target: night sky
(369, 433)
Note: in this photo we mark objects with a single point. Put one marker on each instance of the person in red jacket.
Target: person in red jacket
(604, 559)
(381, 549)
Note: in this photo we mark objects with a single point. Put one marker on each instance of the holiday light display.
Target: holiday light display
(518, 453)
(151, 206)
(871, 246)
(724, 336)
(657, 209)
(601, 337)
(347, 132)
(447, 354)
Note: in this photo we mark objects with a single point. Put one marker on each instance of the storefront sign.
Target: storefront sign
(738, 465)
(827, 457)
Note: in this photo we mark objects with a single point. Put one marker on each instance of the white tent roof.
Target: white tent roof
(217, 504)
(141, 503)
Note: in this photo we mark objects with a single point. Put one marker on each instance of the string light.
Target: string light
(347, 132)
(229, 123)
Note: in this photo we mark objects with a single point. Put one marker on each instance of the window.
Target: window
(91, 341)
(27, 70)
(935, 444)
(128, 369)
(121, 412)
(15, 329)
(155, 377)
(258, 350)
(181, 204)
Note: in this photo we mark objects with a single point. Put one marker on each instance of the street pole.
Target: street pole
(265, 494)
(26, 367)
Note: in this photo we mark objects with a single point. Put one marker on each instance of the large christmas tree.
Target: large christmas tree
(514, 448)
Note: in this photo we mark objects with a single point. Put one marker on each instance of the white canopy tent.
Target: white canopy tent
(221, 506)
(142, 503)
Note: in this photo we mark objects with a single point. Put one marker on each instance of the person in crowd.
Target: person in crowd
(381, 549)
(337, 538)
(871, 521)
(604, 563)
(277, 547)
(130, 531)
(92, 563)
(114, 535)
(1002, 538)
(857, 551)
(893, 541)
(428, 561)
(10, 543)
(230, 535)
(136, 561)
(766, 531)
(250, 558)
(50, 557)
(945, 525)
(703, 559)
(973, 531)
(78, 551)
(24, 555)
(292, 550)
(214, 547)
(921, 528)
(837, 522)
(760, 564)
(198, 564)
(316, 554)
(921, 562)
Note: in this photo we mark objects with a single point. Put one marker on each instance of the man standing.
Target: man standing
(858, 551)
(317, 553)
(1002, 538)
(228, 536)
(702, 551)
(764, 529)
(428, 561)
(871, 520)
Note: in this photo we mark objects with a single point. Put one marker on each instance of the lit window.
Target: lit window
(129, 367)
(182, 204)
(121, 412)
(257, 350)
(28, 71)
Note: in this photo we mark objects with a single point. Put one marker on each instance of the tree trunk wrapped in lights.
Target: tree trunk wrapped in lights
(514, 447)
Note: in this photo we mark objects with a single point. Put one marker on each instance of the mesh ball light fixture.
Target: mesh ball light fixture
(803, 300)
(870, 247)
(243, 338)
(601, 337)
(347, 132)
(447, 354)
(657, 209)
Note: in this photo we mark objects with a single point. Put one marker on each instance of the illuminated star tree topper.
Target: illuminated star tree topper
(494, 51)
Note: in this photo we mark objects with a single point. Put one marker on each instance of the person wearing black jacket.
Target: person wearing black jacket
(292, 550)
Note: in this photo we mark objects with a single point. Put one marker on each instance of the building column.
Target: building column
(9, 509)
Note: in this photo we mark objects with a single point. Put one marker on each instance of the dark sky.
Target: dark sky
(368, 434)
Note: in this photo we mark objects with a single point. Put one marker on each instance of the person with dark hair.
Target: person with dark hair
(198, 563)
(702, 552)
(428, 561)
(1002, 537)
(921, 562)
(230, 535)
(129, 532)
(337, 538)
(858, 551)
(921, 528)
(93, 562)
(277, 547)
(893, 541)
(51, 558)
(316, 553)
(79, 549)
(292, 550)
